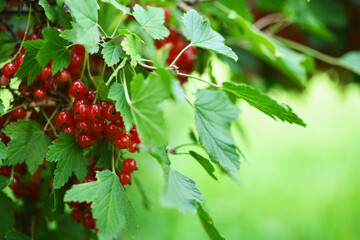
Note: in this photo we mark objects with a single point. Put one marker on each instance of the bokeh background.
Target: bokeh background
(296, 183)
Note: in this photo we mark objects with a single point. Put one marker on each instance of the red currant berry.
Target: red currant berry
(90, 95)
(89, 222)
(75, 72)
(77, 89)
(33, 37)
(4, 81)
(80, 111)
(20, 168)
(20, 59)
(19, 192)
(5, 171)
(76, 214)
(46, 73)
(48, 84)
(76, 60)
(99, 127)
(99, 136)
(17, 182)
(86, 140)
(79, 49)
(95, 113)
(105, 104)
(18, 113)
(77, 102)
(69, 129)
(123, 141)
(24, 88)
(39, 94)
(124, 178)
(129, 165)
(85, 207)
(83, 126)
(63, 118)
(134, 135)
(114, 130)
(64, 76)
(90, 179)
(111, 114)
(167, 16)
(133, 147)
(60, 30)
(9, 70)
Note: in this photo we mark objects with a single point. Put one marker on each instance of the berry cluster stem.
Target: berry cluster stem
(179, 55)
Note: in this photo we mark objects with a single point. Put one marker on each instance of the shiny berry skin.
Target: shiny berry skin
(76, 60)
(4, 81)
(64, 76)
(18, 113)
(134, 135)
(17, 182)
(9, 70)
(111, 114)
(76, 215)
(77, 102)
(69, 129)
(95, 113)
(90, 95)
(20, 59)
(39, 94)
(89, 222)
(79, 49)
(129, 165)
(81, 111)
(24, 88)
(123, 141)
(114, 130)
(33, 37)
(124, 178)
(77, 89)
(75, 72)
(46, 73)
(83, 126)
(99, 127)
(133, 147)
(105, 104)
(63, 118)
(86, 140)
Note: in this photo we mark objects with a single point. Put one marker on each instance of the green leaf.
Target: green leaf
(351, 61)
(200, 33)
(2, 107)
(69, 155)
(152, 20)
(5, 51)
(118, 6)
(117, 93)
(15, 235)
(147, 96)
(180, 191)
(7, 219)
(112, 53)
(4, 181)
(208, 223)
(101, 87)
(49, 10)
(85, 31)
(110, 205)
(131, 46)
(205, 163)
(28, 143)
(263, 102)
(213, 115)
(54, 48)
(3, 152)
(30, 65)
(127, 31)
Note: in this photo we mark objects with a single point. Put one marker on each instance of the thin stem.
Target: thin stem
(98, 86)
(179, 55)
(12, 109)
(147, 67)
(188, 100)
(199, 79)
(268, 20)
(88, 70)
(102, 30)
(48, 122)
(84, 65)
(51, 116)
(176, 153)
(146, 200)
(113, 159)
(126, 89)
(117, 159)
(25, 34)
(117, 26)
(185, 145)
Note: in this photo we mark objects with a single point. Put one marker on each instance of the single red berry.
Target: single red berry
(99, 127)
(114, 130)
(76, 214)
(77, 102)
(90, 95)
(111, 114)
(167, 16)
(33, 36)
(17, 182)
(105, 104)
(39, 94)
(133, 147)
(9, 70)
(48, 84)
(86, 139)
(60, 30)
(46, 73)
(129, 165)
(89, 222)
(69, 129)
(4, 81)
(79, 49)
(24, 88)
(123, 141)
(83, 126)
(90, 179)
(75, 72)
(85, 207)
(95, 113)
(20, 59)
(5, 171)
(76, 60)
(18, 113)
(64, 76)
(134, 135)
(124, 178)
(80, 111)
(77, 89)
(63, 118)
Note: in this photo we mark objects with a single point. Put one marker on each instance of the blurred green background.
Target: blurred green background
(296, 183)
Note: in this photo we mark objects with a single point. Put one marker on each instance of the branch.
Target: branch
(268, 20)
(147, 67)
(9, 28)
(15, 11)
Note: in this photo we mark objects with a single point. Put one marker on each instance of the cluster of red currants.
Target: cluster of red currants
(91, 122)
(129, 166)
(21, 189)
(82, 213)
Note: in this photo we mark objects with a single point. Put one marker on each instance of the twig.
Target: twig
(199, 79)
(147, 67)
(9, 28)
(14, 11)
(178, 56)
(268, 20)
